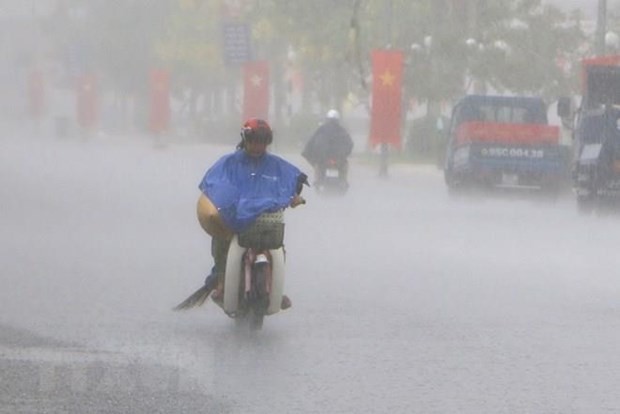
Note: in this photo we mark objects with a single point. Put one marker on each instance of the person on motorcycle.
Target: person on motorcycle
(238, 188)
(330, 141)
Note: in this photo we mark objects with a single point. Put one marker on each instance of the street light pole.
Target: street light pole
(601, 27)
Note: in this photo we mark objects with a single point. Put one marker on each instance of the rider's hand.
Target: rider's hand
(297, 200)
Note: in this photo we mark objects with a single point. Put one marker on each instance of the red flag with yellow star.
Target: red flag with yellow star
(256, 89)
(385, 117)
(36, 94)
(159, 85)
(87, 101)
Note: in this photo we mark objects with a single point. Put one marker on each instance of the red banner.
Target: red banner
(87, 101)
(36, 94)
(497, 132)
(385, 119)
(256, 90)
(159, 86)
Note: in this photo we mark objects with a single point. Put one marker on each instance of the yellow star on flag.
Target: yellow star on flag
(387, 79)
(256, 81)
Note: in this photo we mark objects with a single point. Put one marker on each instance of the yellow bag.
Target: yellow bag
(210, 220)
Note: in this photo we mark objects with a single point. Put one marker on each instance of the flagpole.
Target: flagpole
(385, 148)
(601, 27)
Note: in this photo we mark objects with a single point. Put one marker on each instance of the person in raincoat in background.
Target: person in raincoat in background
(330, 140)
(238, 188)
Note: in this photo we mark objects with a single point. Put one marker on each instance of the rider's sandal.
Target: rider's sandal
(286, 303)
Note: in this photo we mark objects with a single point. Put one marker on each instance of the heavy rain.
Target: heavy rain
(420, 286)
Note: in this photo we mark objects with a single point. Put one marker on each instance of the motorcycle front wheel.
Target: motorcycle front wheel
(260, 297)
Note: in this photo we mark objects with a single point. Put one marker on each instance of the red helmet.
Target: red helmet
(256, 129)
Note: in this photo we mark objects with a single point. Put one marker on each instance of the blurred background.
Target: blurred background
(174, 68)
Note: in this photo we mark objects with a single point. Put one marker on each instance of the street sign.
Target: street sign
(237, 47)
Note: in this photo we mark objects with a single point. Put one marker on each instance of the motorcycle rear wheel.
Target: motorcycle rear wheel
(255, 320)
(256, 302)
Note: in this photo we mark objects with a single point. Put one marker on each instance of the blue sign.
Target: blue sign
(237, 45)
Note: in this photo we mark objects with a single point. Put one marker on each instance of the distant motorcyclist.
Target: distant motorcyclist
(330, 141)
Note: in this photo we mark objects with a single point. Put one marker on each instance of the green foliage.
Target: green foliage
(223, 130)
(189, 45)
(297, 132)
(122, 35)
(514, 45)
(537, 38)
(426, 139)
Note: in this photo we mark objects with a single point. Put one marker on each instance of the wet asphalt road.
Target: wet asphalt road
(43, 376)
(405, 300)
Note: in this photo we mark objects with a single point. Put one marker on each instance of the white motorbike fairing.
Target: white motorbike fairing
(235, 273)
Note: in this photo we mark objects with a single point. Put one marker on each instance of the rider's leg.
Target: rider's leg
(219, 252)
(212, 223)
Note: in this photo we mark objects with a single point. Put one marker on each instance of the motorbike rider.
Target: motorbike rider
(238, 188)
(330, 141)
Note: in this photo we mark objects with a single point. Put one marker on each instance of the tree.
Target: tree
(451, 46)
(534, 43)
(189, 46)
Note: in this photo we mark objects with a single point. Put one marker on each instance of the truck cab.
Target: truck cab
(503, 141)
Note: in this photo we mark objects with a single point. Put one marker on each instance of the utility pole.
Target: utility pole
(601, 27)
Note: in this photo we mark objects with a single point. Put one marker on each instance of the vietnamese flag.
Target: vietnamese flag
(256, 90)
(36, 94)
(159, 85)
(87, 101)
(385, 117)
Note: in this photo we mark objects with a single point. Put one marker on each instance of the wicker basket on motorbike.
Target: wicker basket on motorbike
(266, 233)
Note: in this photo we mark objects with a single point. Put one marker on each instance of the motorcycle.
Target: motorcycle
(332, 177)
(254, 272)
(254, 276)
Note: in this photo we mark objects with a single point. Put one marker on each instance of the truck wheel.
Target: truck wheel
(456, 187)
(585, 204)
(448, 178)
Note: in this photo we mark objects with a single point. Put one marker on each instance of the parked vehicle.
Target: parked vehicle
(596, 166)
(503, 141)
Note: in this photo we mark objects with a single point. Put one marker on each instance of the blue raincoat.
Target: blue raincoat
(243, 187)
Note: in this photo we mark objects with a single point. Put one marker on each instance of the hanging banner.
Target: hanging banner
(87, 106)
(385, 118)
(256, 90)
(237, 44)
(159, 86)
(36, 94)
